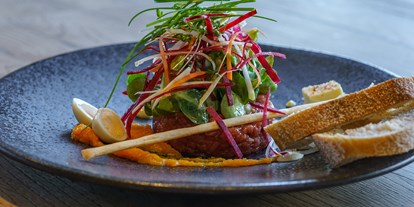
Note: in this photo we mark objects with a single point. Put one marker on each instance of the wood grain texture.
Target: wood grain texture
(375, 31)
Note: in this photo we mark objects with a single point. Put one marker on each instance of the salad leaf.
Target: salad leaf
(254, 34)
(237, 109)
(165, 106)
(132, 77)
(266, 80)
(270, 59)
(177, 62)
(188, 103)
(135, 83)
(148, 109)
(240, 87)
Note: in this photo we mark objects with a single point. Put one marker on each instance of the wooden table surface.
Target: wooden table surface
(379, 32)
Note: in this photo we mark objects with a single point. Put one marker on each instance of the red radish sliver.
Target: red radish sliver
(209, 23)
(237, 21)
(152, 47)
(128, 117)
(209, 26)
(258, 55)
(269, 70)
(152, 66)
(260, 106)
(228, 92)
(226, 132)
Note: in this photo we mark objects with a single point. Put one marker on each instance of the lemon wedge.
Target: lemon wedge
(108, 126)
(84, 112)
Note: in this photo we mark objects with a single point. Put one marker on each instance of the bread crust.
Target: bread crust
(340, 148)
(342, 111)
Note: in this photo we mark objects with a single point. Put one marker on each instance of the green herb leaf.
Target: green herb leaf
(237, 109)
(253, 34)
(266, 80)
(188, 103)
(135, 83)
(166, 106)
(240, 87)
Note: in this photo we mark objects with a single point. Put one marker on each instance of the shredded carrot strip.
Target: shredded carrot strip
(229, 67)
(228, 55)
(164, 61)
(156, 68)
(187, 77)
(191, 43)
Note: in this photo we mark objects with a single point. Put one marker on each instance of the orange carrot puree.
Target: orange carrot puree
(161, 154)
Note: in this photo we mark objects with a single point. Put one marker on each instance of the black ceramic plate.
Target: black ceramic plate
(36, 121)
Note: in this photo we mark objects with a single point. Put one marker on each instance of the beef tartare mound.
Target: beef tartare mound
(249, 137)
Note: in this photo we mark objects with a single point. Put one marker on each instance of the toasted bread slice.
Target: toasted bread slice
(388, 137)
(379, 116)
(342, 111)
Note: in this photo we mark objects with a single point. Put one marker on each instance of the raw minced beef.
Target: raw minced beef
(249, 137)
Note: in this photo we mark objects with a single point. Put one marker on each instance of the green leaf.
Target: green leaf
(188, 103)
(148, 110)
(266, 83)
(240, 87)
(253, 34)
(237, 109)
(270, 59)
(265, 18)
(159, 13)
(135, 83)
(166, 106)
(146, 10)
(177, 63)
(133, 77)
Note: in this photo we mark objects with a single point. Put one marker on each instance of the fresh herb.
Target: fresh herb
(240, 88)
(166, 106)
(237, 109)
(188, 103)
(267, 83)
(135, 84)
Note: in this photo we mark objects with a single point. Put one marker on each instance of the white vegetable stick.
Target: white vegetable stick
(246, 76)
(185, 132)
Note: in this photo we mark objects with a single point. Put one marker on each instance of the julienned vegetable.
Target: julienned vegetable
(201, 57)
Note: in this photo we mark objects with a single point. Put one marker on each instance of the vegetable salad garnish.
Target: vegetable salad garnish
(203, 57)
(201, 63)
